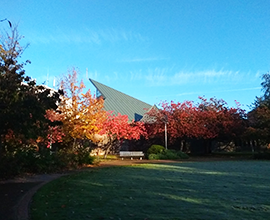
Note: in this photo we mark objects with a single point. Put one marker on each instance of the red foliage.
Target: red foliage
(119, 127)
(55, 133)
(206, 120)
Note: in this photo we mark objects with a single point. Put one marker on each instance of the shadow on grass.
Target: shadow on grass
(208, 190)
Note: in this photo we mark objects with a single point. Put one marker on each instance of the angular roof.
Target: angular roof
(119, 102)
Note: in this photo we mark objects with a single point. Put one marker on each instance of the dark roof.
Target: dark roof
(119, 102)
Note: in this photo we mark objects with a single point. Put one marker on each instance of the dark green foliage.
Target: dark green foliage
(23, 104)
(80, 157)
(155, 149)
(264, 100)
(182, 155)
(259, 117)
(168, 155)
(29, 160)
(154, 156)
(25, 160)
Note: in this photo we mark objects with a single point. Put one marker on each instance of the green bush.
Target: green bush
(154, 156)
(171, 155)
(155, 149)
(168, 155)
(83, 157)
(182, 155)
(74, 159)
(29, 160)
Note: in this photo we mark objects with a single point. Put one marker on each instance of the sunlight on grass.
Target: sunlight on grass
(180, 198)
(198, 190)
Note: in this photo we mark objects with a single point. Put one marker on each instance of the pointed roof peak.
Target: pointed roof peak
(119, 102)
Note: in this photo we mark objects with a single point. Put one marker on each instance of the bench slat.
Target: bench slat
(131, 154)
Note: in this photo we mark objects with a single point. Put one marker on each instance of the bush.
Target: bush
(182, 155)
(29, 160)
(154, 156)
(83, 157)
(74, 159)
(156, 149)
(168, 155)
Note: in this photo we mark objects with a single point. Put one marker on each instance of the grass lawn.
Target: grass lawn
(189, 190)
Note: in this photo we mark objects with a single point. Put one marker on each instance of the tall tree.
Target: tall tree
(264, 100)
(82, 113)
(259, 116)
(23, 104)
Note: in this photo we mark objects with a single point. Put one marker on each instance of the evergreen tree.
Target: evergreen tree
(23, 104)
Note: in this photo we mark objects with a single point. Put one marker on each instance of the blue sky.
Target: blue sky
(153, 50)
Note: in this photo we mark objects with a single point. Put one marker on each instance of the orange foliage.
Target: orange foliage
(82, 113)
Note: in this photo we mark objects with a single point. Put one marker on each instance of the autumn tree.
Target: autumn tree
(182, 121)
(222, 122)
(82, 113)
(55, 132)
(117, 128)
(207, 120)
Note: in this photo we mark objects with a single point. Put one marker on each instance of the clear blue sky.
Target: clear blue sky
(153, 50)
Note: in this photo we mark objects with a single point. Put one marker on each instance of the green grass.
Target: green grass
(189, 190)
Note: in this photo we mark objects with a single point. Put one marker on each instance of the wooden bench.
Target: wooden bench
(131, 154)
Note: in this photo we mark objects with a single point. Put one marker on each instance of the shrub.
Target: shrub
(154, 156)
(83, 157)
(155, 149)
(29, 160)
(168, 155)
(74, 159)
(182, 155)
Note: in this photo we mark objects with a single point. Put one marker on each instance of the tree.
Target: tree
(55, 132)
(264, 100)
(81, 112)
(223, 123)
(183, 120)
(23, 104)
(207, 120)
(259, 116)
(118, 128)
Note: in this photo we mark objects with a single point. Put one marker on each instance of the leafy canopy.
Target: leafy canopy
(23, 104)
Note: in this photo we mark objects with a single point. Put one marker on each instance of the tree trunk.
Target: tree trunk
(74, 144)
(108, 148)
(181, 145)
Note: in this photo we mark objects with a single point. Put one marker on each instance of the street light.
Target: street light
(166, 136)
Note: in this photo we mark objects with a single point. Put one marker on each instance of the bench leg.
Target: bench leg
(140, 158)
(131, 158)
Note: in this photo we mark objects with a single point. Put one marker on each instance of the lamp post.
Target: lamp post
(166, 136)
(165, 130)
